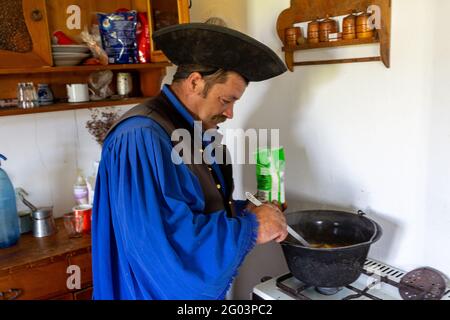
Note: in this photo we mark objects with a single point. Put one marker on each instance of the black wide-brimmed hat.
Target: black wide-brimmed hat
(218, 47)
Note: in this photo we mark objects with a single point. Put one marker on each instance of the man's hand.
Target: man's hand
(272, 223)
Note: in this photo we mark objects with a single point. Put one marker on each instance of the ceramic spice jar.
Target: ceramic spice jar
(326, 27)
(363, 28)
(313, 31)
(349, 27)
(292, 35)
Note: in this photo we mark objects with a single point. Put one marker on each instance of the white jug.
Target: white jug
(78, 92)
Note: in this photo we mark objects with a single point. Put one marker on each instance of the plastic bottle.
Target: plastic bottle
(80, 190)
(9, 220)
(91, 180)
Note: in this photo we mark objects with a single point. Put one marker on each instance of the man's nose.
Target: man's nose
(229, 112)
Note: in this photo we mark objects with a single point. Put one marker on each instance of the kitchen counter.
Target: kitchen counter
(37, 268)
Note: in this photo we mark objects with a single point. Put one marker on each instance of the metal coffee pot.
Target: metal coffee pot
(42, 218)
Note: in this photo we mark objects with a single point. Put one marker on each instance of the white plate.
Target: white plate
(73, 62)
(65, 55)
(69, 61)
(74, 48)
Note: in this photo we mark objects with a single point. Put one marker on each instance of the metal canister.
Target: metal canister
(43, 222)
(124, 84)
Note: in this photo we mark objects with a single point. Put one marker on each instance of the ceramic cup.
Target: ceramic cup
(84, 211)
(78, 92)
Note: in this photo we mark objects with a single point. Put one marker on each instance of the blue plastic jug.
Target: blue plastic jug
(9, 220)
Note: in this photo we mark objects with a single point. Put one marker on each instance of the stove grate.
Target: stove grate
(381, 272)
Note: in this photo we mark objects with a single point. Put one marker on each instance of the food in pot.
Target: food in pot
(328, 245)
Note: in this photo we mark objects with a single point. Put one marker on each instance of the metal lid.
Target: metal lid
(43, 213)
(422, 284)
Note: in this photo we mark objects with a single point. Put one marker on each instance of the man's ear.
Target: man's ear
(195, 82)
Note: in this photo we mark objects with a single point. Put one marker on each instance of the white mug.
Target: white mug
(78, 92)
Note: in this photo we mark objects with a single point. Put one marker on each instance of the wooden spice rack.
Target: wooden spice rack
(302, 11)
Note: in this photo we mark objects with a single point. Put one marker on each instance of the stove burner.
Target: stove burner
(328, 291)
(293, 291)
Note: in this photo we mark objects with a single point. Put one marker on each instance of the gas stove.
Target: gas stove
(378, 281)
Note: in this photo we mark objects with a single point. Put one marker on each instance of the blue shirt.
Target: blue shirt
(150, 236)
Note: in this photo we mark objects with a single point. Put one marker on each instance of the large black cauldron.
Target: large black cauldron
(335, 267)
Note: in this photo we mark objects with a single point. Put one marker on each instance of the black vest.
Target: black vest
(166, 115)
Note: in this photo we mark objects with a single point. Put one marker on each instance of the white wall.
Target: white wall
(357, 136)
(44, 151)
(437, 206)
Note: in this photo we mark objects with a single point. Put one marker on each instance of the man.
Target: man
(168, 230)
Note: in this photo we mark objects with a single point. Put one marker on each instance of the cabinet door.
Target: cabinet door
(164, 13)
(38, 282)
(24, 37)
(85, 294)
(66, 296)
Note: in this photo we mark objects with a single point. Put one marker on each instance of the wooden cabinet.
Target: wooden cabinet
(162, 14)
(43, 268)
(44, 17)
(40, 281)
(85, 294)
(28, 44)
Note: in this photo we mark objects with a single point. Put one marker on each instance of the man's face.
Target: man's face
(218, 105)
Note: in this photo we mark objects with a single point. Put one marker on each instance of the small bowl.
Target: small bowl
(71, 48)
(69, 59)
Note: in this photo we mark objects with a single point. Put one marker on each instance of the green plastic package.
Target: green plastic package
(270, 169)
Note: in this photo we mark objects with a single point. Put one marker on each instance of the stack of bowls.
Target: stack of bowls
(70, 55)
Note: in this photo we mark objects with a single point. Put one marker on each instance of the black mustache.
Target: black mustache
(219, 118)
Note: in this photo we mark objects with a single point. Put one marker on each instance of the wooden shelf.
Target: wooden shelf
(336, 61)
(333, 44)
(81, 68)
(303, 11)
(71, 106)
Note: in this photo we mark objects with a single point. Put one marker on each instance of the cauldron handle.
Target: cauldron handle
(362, 214)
